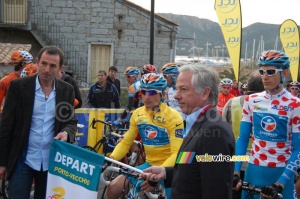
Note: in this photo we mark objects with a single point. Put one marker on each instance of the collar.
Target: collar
(38, 85)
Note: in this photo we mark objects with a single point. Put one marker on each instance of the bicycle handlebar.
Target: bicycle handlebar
(109, 124)
(256, 189)
(122, 136)
(122, 171)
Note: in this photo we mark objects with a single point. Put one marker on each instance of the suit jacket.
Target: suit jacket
(17, 115)
(204, 180)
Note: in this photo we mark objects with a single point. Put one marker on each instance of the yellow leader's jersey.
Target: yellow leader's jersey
(161, 132)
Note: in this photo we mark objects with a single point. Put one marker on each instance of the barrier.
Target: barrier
(85, 134)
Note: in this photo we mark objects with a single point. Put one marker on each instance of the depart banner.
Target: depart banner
(229, 14)
(289, 36)
(74, 172)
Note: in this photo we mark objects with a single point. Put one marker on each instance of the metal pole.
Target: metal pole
(152, 32)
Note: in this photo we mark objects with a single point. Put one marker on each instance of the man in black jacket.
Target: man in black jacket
(37, 110)
(103, 94)
(196, 173)
(67, 78)
(112, 78)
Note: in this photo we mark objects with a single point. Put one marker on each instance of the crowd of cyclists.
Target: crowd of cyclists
(271, 119)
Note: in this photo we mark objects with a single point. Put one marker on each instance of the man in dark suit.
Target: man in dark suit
(37, 110)
(196, 174)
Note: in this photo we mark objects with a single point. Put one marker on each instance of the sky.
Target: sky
(265, 11)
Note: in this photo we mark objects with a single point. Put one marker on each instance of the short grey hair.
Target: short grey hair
(204, 76)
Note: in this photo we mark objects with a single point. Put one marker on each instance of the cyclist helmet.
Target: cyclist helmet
(30, 70)
(274, 58)
(245, 86)
(153, 81)
(131, 70)
(294, 83)
(226, 81)
(149, 69)
(21, 56)
(170, 68)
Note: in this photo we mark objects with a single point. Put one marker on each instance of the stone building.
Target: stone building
(94, 34)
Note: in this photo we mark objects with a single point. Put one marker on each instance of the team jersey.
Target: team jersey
(172, 102)
(4, 84)
(275, 119)
(133, 88)
(222, 100)
(161, 132)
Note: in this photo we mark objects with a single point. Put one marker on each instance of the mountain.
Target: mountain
(209, 39)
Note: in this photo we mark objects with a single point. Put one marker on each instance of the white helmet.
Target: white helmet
(226, 81)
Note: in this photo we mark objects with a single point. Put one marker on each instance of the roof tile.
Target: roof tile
(6, 49)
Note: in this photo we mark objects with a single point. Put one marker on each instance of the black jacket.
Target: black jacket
(204, 180)
(109, 98)
(17, 116)
(71, 81)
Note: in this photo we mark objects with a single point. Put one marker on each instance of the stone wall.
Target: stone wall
(123, 25)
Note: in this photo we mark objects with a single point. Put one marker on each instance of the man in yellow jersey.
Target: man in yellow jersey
(160, 127)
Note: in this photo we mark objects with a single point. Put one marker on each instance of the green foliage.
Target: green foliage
(124, 97)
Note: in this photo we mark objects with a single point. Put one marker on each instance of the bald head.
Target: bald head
(254, 83)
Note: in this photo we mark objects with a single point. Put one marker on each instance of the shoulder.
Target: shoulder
(169, 111)
(60, 84)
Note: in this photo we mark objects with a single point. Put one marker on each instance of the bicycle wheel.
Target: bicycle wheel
(89, 148)
(5, 189)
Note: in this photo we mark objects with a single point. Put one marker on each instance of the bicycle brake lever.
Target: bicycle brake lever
(152, 184)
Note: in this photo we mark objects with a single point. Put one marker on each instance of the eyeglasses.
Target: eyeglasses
(128, 76)
(150, 92)
(269, 72)
(294, 88)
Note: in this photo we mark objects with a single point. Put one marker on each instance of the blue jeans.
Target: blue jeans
(20, 183)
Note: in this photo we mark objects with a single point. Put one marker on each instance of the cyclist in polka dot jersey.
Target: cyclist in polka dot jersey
(274, 118)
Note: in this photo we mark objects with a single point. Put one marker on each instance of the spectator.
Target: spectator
(33, 115)
(103, 94)
(197, 94)
(112, 78)
(235, 88)
(64, 77)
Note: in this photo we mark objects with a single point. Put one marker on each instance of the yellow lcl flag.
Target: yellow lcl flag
(289, 36)
(229, 14)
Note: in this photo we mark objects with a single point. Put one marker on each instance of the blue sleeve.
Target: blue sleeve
(242, 142)
(293, 162)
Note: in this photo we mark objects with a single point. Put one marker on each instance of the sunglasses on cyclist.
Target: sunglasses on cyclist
(269, 72)
(294, 88)
(150, 92)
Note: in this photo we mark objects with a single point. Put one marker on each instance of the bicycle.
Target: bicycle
(252, 190)
(133, 172)
(136, 157)
(132, 158)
